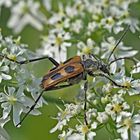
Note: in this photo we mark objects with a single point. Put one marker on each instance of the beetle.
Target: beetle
(72, 71)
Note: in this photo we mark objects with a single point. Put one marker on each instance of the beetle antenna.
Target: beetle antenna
(122, 58)
(92, 55)
(122, 36)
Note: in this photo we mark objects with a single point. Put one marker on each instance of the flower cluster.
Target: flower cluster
(67, 21)
(16, 80)
(86, 18)
(81, 27)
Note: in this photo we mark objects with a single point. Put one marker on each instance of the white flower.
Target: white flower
(120, 51)
(4, 121)
(14, 52)
(17, 102)
(91, 114)
(79, 133)
(75, 10)
(59, 126)
(76, 26)
(116, 106)
(59, 19)
(47, 4)
(70, 11)
(102, 117)
(136, 68)
(76, 136)
(26, 78)
(79, 136)
(65, 134)
(65, 115)
(88, 48)
(129, 126)
(6, 3)
(4, 70)
(3, 134)
(107, 88)
(108, 23)
(134, 24)
(92, 26)
(55, 45)
(26, 12)
(82, 132)
(94, 7)
(132, 86)
(30, 83)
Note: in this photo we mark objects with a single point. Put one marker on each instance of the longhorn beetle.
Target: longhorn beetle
(73, 71)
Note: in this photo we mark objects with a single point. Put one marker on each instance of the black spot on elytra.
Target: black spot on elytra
(56, 76)
(69, 69)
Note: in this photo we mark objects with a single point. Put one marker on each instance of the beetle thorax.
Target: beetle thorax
(92, 66)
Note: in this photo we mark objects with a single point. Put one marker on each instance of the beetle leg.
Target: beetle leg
(40, 58)
(4, 56)
(103, 75)
(85, 105)
(31, 108)
(35, 103)
(31, 60)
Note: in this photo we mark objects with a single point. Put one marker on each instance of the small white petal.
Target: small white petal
(17, 110)
(6, 109)
(3, 134)
(6, 77)
(11, 90)
(4, 69)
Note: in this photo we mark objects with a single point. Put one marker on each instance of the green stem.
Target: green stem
(129, 134)
(86, 138)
